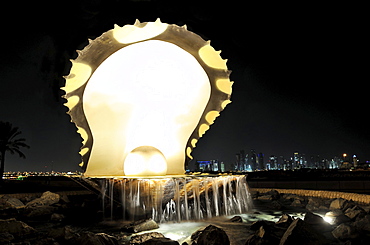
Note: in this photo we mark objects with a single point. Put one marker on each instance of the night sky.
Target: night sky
(300, 73)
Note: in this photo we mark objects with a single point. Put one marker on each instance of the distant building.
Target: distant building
(260, 161)
(346, 165)
(296, 161)
(209, 166)
(282, 163)
(273, 163)
(355, 161)
(240, 164)
(335, 163)
(253, 160)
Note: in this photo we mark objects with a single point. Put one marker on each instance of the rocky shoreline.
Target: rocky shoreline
(60, 219)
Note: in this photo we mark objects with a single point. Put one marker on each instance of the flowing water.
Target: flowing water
(175, 198)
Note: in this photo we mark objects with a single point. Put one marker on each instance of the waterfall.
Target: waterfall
(175, 198)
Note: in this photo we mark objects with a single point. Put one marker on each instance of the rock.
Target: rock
(254, 194)
(63, 234)
(313, 219)
(262, 237)
(299, 232)
(16, 228)
(296, 203)
(236, 219)
(275, 195)
(323, 208)
(336, 217)
(266, 225)
(276, 205)
(317, 222)
(334, 213)
(41, 212)
(57, 217)
(313, 204)
(293, 197)
(89, 238)
(160, 241)
(141, 225)
(211, 235)
(344, 232)
(341, 219)
(47, 198)
(363, 224)
(348, 204)
(284, 221)
(6, 237)
(338, 203)
(354, 212)
(64, 198)
(366, 208)
(11, 202)
(44, 241)
(138, 239)
(265, 198)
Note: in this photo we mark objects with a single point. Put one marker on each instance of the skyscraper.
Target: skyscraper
(355, 161)
(273, 162)
(240, 164)
(296, 161)
(260, 161)
(253, 160)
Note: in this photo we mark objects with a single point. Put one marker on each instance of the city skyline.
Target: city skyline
(254, 160)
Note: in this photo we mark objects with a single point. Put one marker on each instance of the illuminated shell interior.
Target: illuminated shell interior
(140, 72)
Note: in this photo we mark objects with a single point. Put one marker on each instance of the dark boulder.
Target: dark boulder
(284, 221)
(55, 217)
(47, 198)
(10, 202)
(236, 219)
(160, 241)
(41, 213)
(317, 222)
(297, 203)
(313, 219)
(355, 212)
(89, 238)
(262, 237)
(299, 232)
(267, 225)
(211, 235)
(138, 239)
(313, 204)
(16, 228)
(6, 238)
(337, 217)
(276, 205)
(345, 231)
(141, 225)
(363, 224)
(63, 234)
(338, 203)
(275, 195)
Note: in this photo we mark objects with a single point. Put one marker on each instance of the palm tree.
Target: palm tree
(9, 142)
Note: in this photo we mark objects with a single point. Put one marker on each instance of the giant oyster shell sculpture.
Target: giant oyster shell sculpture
(142, 95)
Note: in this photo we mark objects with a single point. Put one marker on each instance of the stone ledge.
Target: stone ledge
(360, 198)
